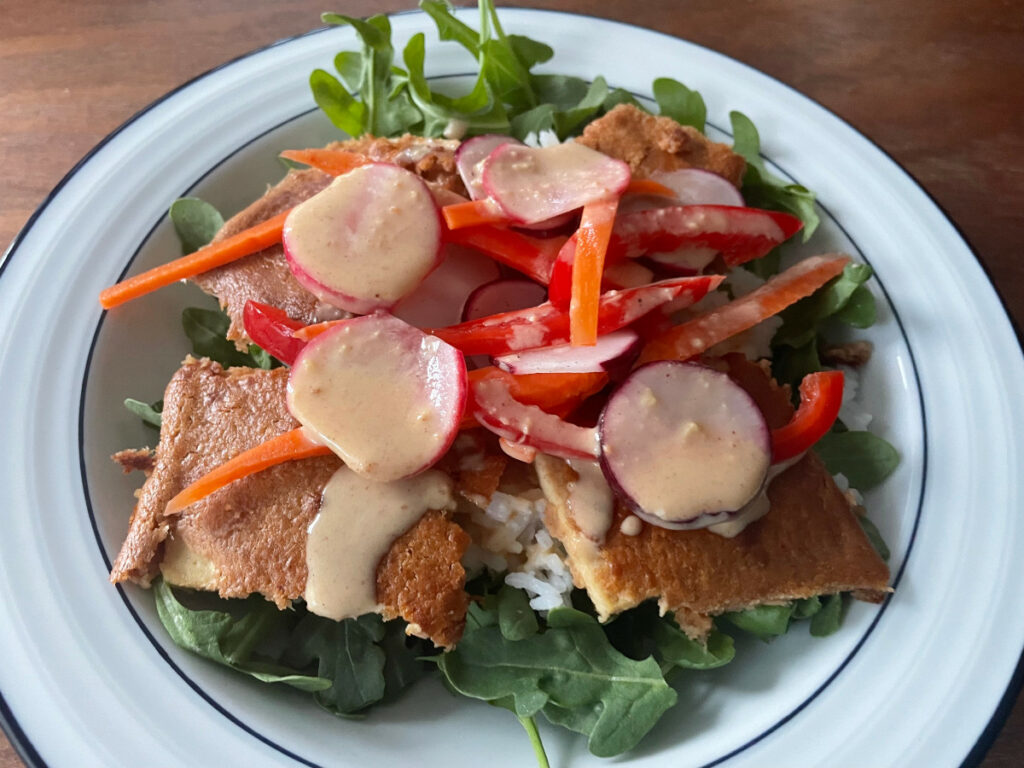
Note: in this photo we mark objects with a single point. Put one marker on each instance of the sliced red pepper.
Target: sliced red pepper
(741, 234)
(821, 395)
(544, 325)
(272, 329)
(531, 256)
(624, 273)
(588, 267)
(557, 393)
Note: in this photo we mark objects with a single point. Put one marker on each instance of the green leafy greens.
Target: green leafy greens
(347, 665)
(148, 412)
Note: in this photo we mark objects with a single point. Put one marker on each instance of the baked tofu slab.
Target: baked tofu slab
(250, 537)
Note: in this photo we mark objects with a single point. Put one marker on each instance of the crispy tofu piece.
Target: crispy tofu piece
(808, 544)
(250, 537)
(265, 276)
(650, 144)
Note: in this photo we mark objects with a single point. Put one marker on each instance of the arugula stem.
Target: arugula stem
(538, 746)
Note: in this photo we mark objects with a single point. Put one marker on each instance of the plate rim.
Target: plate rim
(8, 722)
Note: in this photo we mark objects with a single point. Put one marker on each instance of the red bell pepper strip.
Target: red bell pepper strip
(821, 395)
(588, 267)
(544, 325)
(272, 329)
(532, 256)
(625, 273)
(699, 334)
(333, 161)
(648, 187)
(557, 393)
(741, 234)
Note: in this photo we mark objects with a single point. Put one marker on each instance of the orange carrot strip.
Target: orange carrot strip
(310, 332)
(245, 243)
(277, 450)
(333, 161)
(697, 335)
(649, 187)
(591, 245)
(472, 213)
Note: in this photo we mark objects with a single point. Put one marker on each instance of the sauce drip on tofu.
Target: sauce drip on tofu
(358, 521)
(591, 500)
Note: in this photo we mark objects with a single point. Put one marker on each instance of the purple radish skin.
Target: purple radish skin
(469, 158)
(439, 299)
(614, 354)
(683, 445)
(503, 296)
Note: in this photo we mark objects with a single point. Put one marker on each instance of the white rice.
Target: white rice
(852, 411)
(542, 139)
(509, 537)
(852, 494)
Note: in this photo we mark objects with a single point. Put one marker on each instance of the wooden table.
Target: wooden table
(939, 85)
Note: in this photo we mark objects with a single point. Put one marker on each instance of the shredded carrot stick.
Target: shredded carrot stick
(277, 450)
(310, 332)
(591, 245)
(333, 161)
(649, 187)
(245, 243)
(472, 213)
(685, 341)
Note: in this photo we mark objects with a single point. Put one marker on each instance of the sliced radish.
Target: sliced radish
(527, 425)
(439, 299)
(694, 186)
(367, 240)
(683, 445)
(502, 296)
(517, 451)
(531, 185)
(470, 157)
(614, 353)
(686, 260)
(386, 397)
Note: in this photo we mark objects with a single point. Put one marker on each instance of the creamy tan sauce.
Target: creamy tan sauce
(757, 507)
(631, 526)
(591, 501)
(361, 394)
(358, 522)
(689, 458)
(370, 238)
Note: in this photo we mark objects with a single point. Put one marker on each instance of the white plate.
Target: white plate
(88, 676)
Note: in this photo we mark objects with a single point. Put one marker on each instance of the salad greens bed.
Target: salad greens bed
(609, 682)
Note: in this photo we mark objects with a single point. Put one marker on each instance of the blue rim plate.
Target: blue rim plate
(90, 677)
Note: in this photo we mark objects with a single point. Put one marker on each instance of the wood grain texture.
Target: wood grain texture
(938, 85)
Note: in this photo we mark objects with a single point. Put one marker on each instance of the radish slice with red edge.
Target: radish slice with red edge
(695, 186)
(367, 240)
(469, 158)
(527, 425)
(683, 445)
(384, 396)
(502, 296)
(439, 299)
(614, 354)
(683, 261)
(533, 184)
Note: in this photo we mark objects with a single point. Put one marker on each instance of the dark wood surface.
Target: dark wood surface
(938, 84)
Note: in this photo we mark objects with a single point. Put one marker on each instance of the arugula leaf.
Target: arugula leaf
(860, 310)
(863, 457)
(874, 536)
(150, 413)
(801, 321)
(350, 67)
(762, 189)
(207, 330)
(806, 608)
(530, 52)
(828, 619)
(227, 639)
(449, 27)
(534, 120)
(570, 672)
(333, 98)
(567, 121)
(765, 622)
(677, 101)
(516, 619)
(195, 221)
(675, 649)
(620, 96)
(791, 364)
